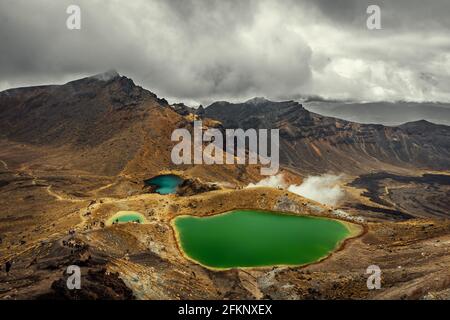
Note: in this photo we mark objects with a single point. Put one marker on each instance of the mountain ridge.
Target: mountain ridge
(108, 127)
(114, 126)
(311, 142)
(386, 113)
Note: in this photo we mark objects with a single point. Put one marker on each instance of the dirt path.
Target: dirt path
(62, 198)
(96, 191)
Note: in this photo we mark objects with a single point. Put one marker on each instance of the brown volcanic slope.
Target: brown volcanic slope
(103, 124)
(313, 143)
(107, 125)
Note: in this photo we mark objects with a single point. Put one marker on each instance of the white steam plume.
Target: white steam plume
(324, 189)
(272, 182)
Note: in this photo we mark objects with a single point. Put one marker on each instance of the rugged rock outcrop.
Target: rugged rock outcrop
(191, 187)
(97, 285)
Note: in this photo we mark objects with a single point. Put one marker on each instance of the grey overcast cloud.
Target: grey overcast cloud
(198, 51)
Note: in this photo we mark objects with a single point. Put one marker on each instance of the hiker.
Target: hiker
(8, 266)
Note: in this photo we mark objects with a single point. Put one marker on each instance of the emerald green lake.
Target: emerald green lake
(251, 238)
(165, 184)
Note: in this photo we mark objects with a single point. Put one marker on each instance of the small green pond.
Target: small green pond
(126, 217)
(252, 238)
(165, 184)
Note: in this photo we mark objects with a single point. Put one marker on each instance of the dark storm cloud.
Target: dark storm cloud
(36, 43)
(342, 11)
(203, 50)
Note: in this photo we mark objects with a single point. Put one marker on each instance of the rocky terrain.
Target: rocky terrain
(72, 156)
(311, 143)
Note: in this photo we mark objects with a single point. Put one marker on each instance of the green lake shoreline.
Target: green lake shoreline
(248, 239)
(126, 217)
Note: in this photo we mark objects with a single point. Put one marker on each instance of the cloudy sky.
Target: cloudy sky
(198, 51)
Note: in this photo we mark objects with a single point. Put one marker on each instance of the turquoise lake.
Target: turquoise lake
(165, 184)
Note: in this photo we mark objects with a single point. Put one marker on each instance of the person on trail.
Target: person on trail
(8, 266)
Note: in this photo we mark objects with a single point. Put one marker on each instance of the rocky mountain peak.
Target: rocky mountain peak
(257, 101)
(107, 76)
